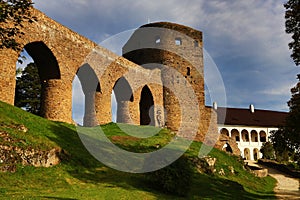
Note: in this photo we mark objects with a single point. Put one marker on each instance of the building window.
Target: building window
(157, 40)
(196, 43)
(178, 41)
(237, 138)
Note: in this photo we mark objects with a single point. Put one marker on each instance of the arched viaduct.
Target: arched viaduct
(142, 97)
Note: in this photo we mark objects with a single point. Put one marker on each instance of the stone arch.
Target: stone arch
(49, 74)
(44, 59)
(227, 148)
(262, 136)
(254, 136)
(124, 95)
(247, 154)
(71, 50)
(235, 135)
(245, 135)
(146, 107)
(224, 131)
(255, 154)
(91, 88)
(68, 49)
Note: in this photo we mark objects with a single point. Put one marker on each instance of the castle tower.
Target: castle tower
(178, 51)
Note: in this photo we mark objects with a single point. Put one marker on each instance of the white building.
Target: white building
(250, 128)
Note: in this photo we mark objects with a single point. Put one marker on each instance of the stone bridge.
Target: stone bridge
(147, 92)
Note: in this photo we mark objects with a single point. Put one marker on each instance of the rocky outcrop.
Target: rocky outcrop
(205, 165)
(12, 154)
(256, 169)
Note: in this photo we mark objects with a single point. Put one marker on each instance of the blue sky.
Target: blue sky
(245, 39)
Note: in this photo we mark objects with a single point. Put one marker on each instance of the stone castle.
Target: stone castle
(158, 81)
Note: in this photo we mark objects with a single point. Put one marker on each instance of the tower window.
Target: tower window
(178, 41)
(196, 43)
(157, 40)
(188, 73)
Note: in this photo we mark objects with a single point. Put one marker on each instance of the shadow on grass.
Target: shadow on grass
(84, 167)
(217, 188)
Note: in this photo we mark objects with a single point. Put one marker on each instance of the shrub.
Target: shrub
(267, 150)
(174, 179)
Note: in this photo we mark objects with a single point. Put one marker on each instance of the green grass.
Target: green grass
(81, 176)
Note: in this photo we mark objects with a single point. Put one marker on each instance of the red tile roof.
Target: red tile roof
(261, 118)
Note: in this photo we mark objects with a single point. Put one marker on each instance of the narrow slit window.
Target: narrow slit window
(188, 73)
(178, 41)
(196, 43)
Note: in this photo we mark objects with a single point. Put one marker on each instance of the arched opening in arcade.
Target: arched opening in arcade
(123, 95)
(262, 136)
(90, 87)
(255, 154)
(245, 135)
(254, 136)
(146, 107)
(235, 135)
(224, 131)
(247, 154)
(36, 76)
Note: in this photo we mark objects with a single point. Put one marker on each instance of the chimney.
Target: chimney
(251, 107)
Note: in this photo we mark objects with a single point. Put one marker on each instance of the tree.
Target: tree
(281, 144)
(292, 25)
(13, 13)
(19, 71)
(286, 140)
(28, 90)
(291, 132)
(293, 119)
(267, 150)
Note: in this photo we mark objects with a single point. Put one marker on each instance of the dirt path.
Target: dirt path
(287, 187)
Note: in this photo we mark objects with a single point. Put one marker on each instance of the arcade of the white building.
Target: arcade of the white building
(249, 128)
(249, 139)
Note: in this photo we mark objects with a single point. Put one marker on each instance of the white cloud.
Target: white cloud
(281, 90)
(246, 39)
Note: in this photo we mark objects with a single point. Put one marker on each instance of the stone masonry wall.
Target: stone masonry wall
(166, 57)
(177, 51)
(70, 51)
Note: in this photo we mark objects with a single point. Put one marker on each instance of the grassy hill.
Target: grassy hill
(80, 176)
